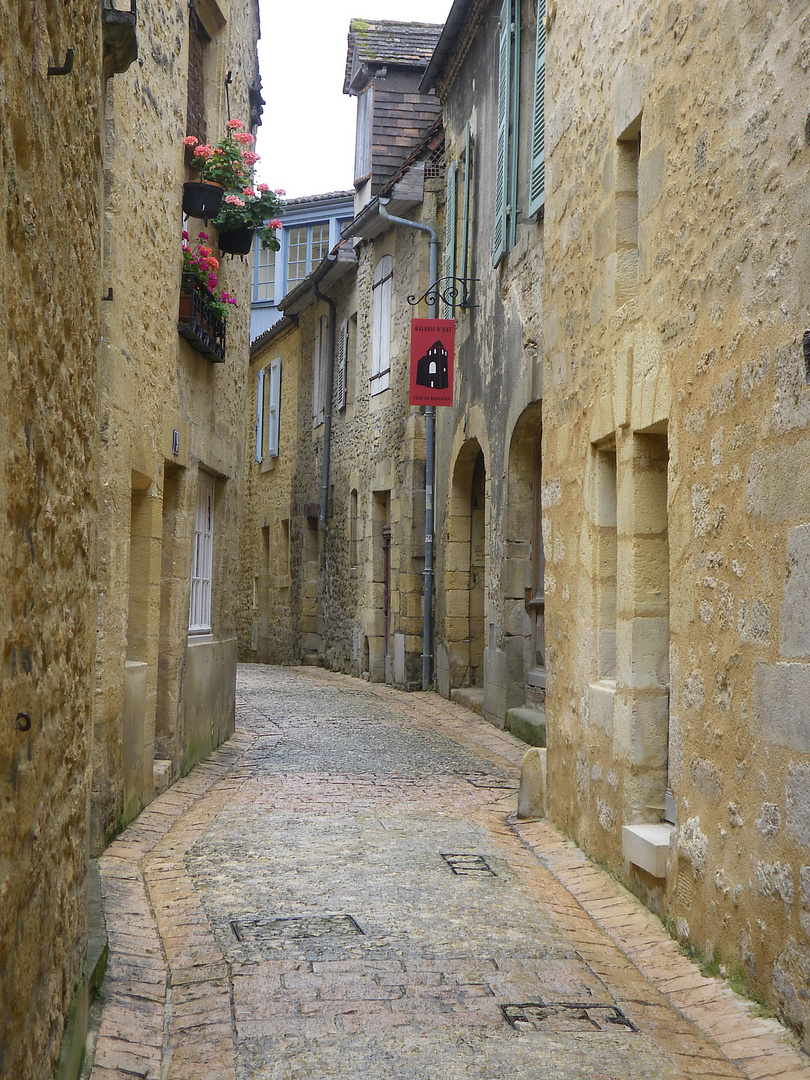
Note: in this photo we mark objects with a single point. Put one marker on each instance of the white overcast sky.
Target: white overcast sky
(306, 140)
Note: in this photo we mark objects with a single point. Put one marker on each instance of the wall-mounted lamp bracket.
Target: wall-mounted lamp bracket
(453, 292)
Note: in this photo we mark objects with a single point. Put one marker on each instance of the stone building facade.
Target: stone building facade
(50, 205)
(676, 485)
(170, 465)
(489, 557)
(114, 424)
(335, 510)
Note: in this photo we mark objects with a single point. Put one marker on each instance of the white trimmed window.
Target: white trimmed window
(202, 557)
(268, 410)
(381, 325)
(264, 274)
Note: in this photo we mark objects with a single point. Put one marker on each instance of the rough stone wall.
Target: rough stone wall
(676, 486)
(155, 383)
(498, 385)
(49, 270)
(268, 620)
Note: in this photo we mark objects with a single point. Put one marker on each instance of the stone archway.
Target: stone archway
(466, 567)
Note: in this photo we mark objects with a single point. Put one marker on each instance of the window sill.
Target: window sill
(647, 846)
(200, 637)
(268, 464)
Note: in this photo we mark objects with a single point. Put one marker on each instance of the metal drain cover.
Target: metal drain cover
(268, 930)
(557, 1016)
(465, 865)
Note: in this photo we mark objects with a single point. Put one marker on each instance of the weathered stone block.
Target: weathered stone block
(533, 791)
(528, 725)
(781, 706)
(794, 612)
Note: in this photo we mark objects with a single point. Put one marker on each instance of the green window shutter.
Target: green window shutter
(514, 128)
(465, 223)
(450, 235)
(537, 173)
(499, 240)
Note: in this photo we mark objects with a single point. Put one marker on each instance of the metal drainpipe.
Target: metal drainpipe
(327, 420)
(430, 426)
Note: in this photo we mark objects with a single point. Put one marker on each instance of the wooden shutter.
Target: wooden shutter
(449, 237)
(342, 363)
(499, 239)
(274, 408)
(381, 325)
(259, 414)
(537, 173)
(465, 221)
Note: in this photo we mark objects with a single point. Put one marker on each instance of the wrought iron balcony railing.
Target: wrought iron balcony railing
(199, 325)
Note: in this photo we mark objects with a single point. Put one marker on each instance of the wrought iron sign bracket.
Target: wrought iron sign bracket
(453, 292)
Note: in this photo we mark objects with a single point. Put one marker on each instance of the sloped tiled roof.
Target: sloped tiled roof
(323, 197)
(401, 44)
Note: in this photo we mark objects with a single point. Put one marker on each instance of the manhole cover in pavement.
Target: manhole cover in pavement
(268, 930)
(565, 1016)
(465, 865)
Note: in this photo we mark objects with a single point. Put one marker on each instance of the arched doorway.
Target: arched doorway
(466, 567)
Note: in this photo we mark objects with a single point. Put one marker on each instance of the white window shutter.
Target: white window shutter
(259, 414)
(274, 408)
(499, 239)
(381, 325)
(537, 174)
(342, 363)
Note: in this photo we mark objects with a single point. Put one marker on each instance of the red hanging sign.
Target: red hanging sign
(432, 349)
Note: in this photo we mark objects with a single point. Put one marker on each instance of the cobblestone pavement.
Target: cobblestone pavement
(342, 891)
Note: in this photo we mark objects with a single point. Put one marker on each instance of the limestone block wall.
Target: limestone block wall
(51, 288)
(153, 385)
(484, 520)
(267, 617)
(675, 450)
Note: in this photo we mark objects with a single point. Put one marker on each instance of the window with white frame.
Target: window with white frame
(268, 410)
(202, 557)
(319, 374)
(381, 325)
(264, 277)
(307, 245)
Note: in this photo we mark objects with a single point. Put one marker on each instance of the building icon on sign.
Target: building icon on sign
(432, 370)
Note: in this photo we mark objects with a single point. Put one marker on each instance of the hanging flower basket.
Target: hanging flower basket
(202, 199)
(236, 241)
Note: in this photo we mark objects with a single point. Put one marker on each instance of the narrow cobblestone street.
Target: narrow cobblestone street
(342, 891)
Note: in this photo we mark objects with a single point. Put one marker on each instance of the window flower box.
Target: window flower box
(198, 323)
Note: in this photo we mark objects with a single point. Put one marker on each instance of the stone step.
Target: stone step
(471, 697)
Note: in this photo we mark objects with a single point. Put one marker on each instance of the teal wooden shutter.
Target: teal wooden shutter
(514, 128)
(537, 172)
(465, 222)
(499, 239)
(449, 236)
